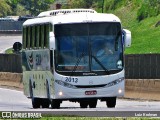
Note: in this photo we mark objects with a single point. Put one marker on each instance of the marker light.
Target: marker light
(119, 91)
(60, 93)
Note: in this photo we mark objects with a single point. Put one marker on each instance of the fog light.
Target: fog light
(119, 91)
(60, 93)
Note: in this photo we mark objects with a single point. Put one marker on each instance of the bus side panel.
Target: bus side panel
(36, 60)
(39, 84)
(38, 80)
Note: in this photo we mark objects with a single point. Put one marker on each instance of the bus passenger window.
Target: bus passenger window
(28, 37)
(33, 36)
(42, 36)
(30, 46)
(40, 27)
(37, 36)
(46, 35)
(50, 27)
(24, 38)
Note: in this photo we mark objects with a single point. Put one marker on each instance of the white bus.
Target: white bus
(75, 55)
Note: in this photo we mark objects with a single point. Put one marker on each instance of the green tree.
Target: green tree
(95, 4)
(5, 9)
(13, 3)
(36, 6)
(17, 7)
(148, 8)
(20, 10)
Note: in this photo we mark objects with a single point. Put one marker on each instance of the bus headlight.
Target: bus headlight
(117, 81)
(60, 93)
(120, 91)
(60, 82)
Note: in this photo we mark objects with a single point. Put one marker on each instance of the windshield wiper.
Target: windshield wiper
(77, 63)
(96, 59)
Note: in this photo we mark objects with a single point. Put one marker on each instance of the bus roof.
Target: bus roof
(74, 18)
(65, 11)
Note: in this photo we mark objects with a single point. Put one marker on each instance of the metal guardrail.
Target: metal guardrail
(142, 66)
(10, 63)
(11, 25)
(11, 32)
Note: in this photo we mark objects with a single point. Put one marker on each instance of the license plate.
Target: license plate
(93, 92)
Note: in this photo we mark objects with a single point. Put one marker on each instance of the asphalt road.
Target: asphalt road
(8, 41)
(12, 100)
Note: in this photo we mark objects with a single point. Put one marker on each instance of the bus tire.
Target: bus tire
(55, 104)
(93, 103)
(83, 104)
(111, 102)
(36, 102)
(45, 103)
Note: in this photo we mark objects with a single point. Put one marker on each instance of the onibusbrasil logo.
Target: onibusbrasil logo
(6, 115)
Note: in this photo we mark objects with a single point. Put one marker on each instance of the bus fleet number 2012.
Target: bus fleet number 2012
(70, 79)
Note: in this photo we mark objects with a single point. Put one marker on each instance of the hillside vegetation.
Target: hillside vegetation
(23, 7)
(142, 18)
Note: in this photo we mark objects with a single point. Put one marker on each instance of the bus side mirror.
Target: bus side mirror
(126, 38)
(17, 46)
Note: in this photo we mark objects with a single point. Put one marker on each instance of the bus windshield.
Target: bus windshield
(89, 47)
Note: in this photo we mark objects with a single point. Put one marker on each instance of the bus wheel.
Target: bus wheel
(93, 103)
(111, 102)
(36, 102)
(55, 104)
(83, 104)
(45, 103)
